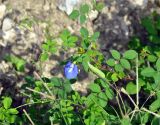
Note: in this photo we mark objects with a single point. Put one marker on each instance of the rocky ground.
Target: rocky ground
(119, 20)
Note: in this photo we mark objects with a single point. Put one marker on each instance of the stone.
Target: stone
(93, 14)
(7, 24)
(67, 5)
(9, 35)
(2, 11)
(140, 3)
(4, 67)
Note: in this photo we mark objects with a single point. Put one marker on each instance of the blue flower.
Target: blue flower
(70, 70)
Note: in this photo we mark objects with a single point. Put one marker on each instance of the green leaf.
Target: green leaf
(53, 49)
(148, 72)
(102, 100)
(85, 66)
(158, 24)
(100, 6)
(64, 35)
(95, 88)
(84, 32)
(125, 63)
(114, 77)
(118, 68)
(45, 47)
(82, 19)
(2, 116)
(155, 121)
(17, 62)
(44, 56)
(95, 36)
(103, 84)
(156, 77)
(84, 9)
(125, 121)
(67, 87)
(154, 39)
(141, 82)
(62, 93)
(13, 111)
(109, 93)
(155, 105)
(111, 62)
(72, 39)
(158, 94)
(20, 66)
(56, 81)
(91, 98)
(74, 15)
(158, 64)
(149, 25)
(2, 113)
(144, 117)
(115, 54)
(131, 88)
(7, 101)
(130, 54)
(11, 119)
(151, 58)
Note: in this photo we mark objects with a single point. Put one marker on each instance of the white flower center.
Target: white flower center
(71, 68)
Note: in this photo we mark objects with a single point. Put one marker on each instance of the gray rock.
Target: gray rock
(9, 35)
(2, 11)
(67, 5)
(140, 3)
(7, 24)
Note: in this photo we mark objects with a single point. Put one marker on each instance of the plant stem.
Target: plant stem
(45, 95)
(115, 112)
(134, 111)
(146, 110)
(32, 104)
(122, 102)
(100, 107)
(137, 81)
(119, 106)
(62, 114)
(44, 84)
(29, 118)
(152, 94)
(125, 92)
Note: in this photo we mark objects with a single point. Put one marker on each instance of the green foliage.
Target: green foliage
(121, 63)
(17, 62)
(115, 54)
(68, 39)
(74, 15)
(7, 114)
(125, 63)
(130, 54)
(155, 105)
(111, 62)
(148, 72)
(98, 5)
(27, 23)
(131, 88)
(95, 88)
(81, 14)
